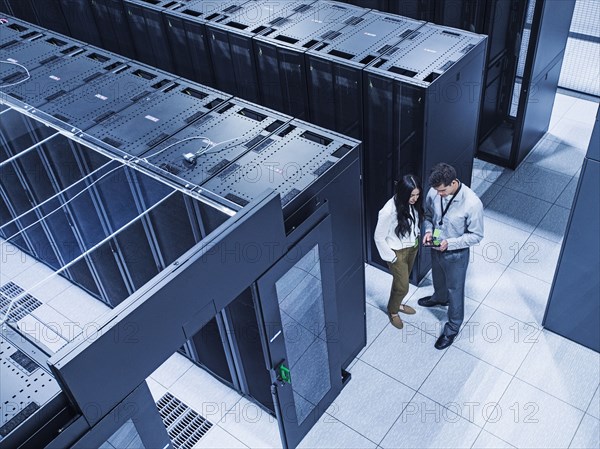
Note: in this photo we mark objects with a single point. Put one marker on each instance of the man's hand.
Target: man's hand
(443, 246)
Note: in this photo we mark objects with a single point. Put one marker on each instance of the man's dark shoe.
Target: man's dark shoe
(444, 341)
(427, 302)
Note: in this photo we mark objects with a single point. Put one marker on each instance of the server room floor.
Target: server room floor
(505, 382)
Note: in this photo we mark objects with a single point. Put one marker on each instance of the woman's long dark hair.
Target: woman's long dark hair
(404, 188)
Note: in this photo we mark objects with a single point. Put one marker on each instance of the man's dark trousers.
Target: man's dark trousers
(449, 270)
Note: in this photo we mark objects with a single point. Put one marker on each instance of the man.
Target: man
(453, 222)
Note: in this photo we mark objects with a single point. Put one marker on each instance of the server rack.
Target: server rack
(421, 108)
(81, 22)
(280, 54)
(157, 117)
(575, 284)
(115, 34)
(148, 31)
(23, 9)
(295, 160)
(335, 69)
(230, 32)
(50, 15)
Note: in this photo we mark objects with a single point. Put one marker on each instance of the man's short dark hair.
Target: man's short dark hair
(442, 174)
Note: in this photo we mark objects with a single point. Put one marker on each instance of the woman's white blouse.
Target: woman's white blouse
(386, 239)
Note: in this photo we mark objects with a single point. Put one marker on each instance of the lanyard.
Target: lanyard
(444, 210)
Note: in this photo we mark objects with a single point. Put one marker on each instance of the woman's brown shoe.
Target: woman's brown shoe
(407, 309)
(396, 320)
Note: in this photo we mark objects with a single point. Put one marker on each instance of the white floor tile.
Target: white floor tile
(562, 104)
(594, 407)
(517, 209)
(43, 335)
(501, 241)
(432, 319)
(588, 434)
(583, 111)
(497, 339)
(529, 418)
(555, 155)
(485, 190)
(57, 322)
(465, 385)
(486, 440)
(538, 258)
(426, 424)
(371, 402)
(156, 390)
(534, 180)
(250, 424)
(377, 319)
(572, 132)
(329, 433)
(554, 224)
(491, 172)
(377, 285)
(217, 437)
(407, 355)
(520, 296)
(205, 394)
(482, 275)
(171, 370)
(79, 307)
(562, 368)
(566, 197)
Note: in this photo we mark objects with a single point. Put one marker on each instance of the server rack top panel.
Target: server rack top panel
(371, 37)
(313, 24)
(12, 28)
(203, 10)
(258, 16)
(106, 94)
(427, 53)
(289, 161)
(62, 75)
(157, 116)
(212, 144)
(26, 54)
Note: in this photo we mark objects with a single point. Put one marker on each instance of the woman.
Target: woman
(397, 239)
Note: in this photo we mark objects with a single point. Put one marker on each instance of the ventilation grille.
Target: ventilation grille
(24, 305)
(184, 426)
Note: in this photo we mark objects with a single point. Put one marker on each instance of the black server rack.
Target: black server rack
(575, 285)
(295, 161)
(335, 70)
(421, 107)
(50, 15)
(280, 54)
(115, 34)
(4, 7)
(155, 118)
(23, 9)
(106, 94)
(61, 75)
(229, 34)
(81, 22)
(187, 38)
(415, 9)
(149, 32)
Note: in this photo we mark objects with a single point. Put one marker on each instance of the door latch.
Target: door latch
(283, 374)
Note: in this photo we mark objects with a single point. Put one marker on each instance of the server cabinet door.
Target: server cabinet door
(296, 301)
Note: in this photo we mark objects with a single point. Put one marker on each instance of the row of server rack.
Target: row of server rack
(222, 229)
(408, 89)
